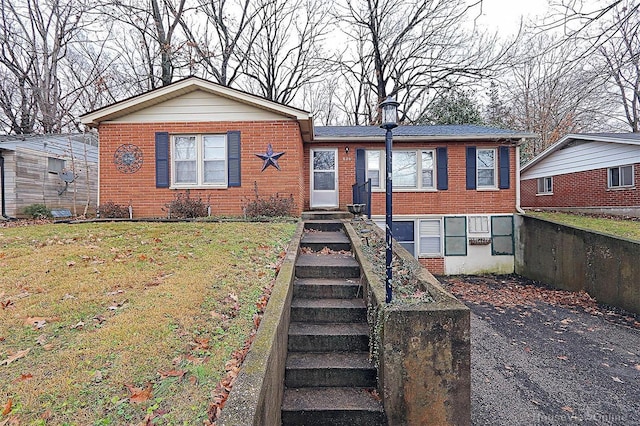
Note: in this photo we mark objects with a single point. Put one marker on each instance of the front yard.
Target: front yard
(126, 323)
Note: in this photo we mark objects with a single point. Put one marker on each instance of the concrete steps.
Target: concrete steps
(329, 379)
(335, 406)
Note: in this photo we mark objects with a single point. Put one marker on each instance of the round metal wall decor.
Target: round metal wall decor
(128, 158)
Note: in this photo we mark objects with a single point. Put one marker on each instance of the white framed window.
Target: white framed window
(430, 234)
(478, 224)
(199, 160)
(620, 177)
(486, 168)
(545, 185)
(55, 165)
(411, 169)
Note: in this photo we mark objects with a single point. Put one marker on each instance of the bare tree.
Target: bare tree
(35, 38)
(551, 93)
(286, 53)
(223, 39)
(621, 55)
(151, 43)
(411, 48)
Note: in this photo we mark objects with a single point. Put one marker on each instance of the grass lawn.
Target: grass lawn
(109, 323)
(608, 225)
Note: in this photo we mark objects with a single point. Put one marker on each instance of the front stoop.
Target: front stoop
(329, 379)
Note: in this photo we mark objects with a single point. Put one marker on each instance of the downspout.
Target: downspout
(2, 188)
(518, 208)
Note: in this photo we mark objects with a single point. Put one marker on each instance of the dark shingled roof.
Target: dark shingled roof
(627, 136)
(451, 130)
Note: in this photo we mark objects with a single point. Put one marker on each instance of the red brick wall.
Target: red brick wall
(148, 201)
(582, 189)
(435, 265)
(455, 200)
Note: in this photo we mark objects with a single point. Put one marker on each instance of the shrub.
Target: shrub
(38, 211)
(184, 207)
(113, 210)
(274, 206)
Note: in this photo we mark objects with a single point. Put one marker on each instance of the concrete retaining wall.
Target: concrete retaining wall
(423, 349)
(257, 392)
(423, 352)
(606, 267)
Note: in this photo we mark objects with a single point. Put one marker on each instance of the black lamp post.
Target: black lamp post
(389, 109)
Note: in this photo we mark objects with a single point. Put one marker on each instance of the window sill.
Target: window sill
(622, 188)
(431, 256)
(395, 190)
(198, 187)
(487, 189)
(542, 194)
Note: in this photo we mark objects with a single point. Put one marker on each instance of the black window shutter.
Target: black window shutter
(441, 161)
(233, 150)
(503, 158)
(471, 167)
(162, 159)
(361, 166)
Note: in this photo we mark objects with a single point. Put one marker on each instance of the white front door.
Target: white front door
(324, 178)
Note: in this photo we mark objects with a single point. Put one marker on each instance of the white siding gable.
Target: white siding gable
(584, 156)
(199, 105)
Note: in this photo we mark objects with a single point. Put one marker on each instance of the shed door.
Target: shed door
(324, 178)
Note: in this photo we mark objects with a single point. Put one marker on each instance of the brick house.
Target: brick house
(456, 188)
(585, 172)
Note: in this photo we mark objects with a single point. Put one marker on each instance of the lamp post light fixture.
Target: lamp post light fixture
(389, 109)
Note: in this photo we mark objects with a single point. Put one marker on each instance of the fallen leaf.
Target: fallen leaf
(23, 377)
(567, 409)
(15, 356)
(562, 357)
(39, 322)
(78, 325)
(71, 263)
(201, 343)
(637, 367)
(97, 376)
(46, 415)
(171, 373)
(139, 395)
(617, 379)
(7, 407)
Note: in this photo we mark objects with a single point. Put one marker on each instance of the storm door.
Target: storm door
(324, 178)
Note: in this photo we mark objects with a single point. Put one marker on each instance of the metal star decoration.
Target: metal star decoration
(270, 158)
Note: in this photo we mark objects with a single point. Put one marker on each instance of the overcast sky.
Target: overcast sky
(505, 15)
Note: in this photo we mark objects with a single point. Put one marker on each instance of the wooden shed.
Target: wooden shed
(59, 171)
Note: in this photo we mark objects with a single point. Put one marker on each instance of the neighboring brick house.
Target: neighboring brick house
(455, 187)
(596, 172)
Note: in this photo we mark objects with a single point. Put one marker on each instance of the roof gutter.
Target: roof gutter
(518, 208)
(516, 138)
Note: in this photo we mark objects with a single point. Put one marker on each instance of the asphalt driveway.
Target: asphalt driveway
(546, 357)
